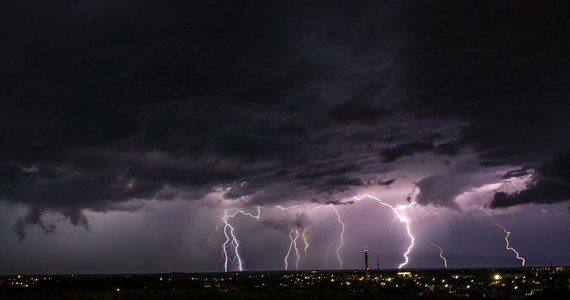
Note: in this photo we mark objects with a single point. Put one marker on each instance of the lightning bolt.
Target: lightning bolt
(213, 233)
(304, 235)
(293, 240)
(440, 253)
(292, 245)
(231, 240)
(306, 240)
(286, 208)
(296, 249)
(401, 218)
(508, 246)
(341, 236)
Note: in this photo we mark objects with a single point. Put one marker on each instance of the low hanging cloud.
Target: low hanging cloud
(386, 182)
(286, 224)
(444, 188)
(551, 184)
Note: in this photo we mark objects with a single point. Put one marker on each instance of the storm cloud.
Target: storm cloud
(551, 184)
(406, 149)
(109, 104)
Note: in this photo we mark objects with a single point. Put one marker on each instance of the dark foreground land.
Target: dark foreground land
(520, 283)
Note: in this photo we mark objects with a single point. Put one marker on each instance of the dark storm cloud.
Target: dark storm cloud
(506, 81)
(451, 148)
(339, 202)
(436, 190)
(105, 104)
(551, 184)
(338, 183)
(405, 149)
(359, 109)
(386, 182)
(443, 188)
(329, 172)
(281, 173)
(517, 173)
(501, 69)
(32, 217)
(286, 224)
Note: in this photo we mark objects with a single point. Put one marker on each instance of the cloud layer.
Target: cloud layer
(107, 104)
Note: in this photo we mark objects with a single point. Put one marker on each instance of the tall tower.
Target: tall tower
(366, 261)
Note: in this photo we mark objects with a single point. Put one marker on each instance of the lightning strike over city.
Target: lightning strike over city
(507, 244)
(206, 141)
(293, 240)
(292, 247)
(306, 241)
(341, 236)
(440, 253)
(231, 239)
(402, 218)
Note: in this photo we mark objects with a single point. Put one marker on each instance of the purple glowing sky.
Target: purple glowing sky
(129, 129)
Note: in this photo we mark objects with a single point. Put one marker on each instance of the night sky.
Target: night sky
(128, 128)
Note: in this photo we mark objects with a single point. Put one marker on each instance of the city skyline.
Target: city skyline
(143, 137)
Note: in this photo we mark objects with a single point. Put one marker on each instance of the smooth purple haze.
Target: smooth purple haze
(128, 129)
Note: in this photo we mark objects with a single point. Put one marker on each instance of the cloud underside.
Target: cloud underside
(550, 185)
(103, 108)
